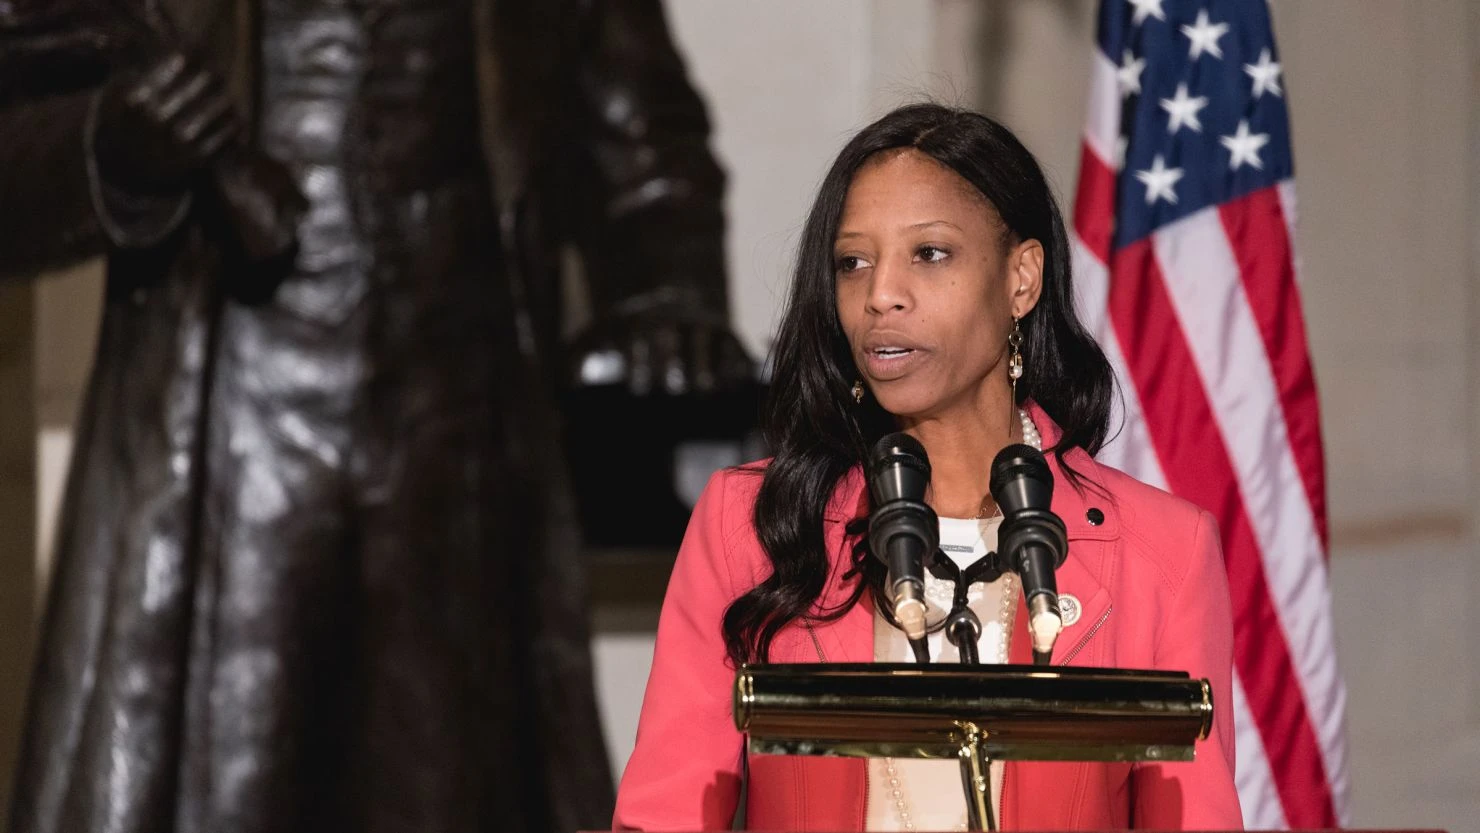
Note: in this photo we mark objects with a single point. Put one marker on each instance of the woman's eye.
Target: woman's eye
(849, 263)
(932, 254)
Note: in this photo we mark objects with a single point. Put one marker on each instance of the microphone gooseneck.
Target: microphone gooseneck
(1032, 539)
(903, 530)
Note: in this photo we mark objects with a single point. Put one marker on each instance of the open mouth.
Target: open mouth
(885, 364)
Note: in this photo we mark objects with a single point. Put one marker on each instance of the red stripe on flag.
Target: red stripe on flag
(1185, 435)
(1094, 203)
(1256, 227)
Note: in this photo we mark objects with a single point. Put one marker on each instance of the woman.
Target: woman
(932, 295)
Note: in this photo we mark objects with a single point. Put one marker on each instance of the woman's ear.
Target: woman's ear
(1025, 276)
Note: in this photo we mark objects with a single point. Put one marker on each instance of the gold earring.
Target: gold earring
(858, 391)
(1015, 358)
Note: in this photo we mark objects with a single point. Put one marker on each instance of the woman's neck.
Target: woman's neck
(961, 449)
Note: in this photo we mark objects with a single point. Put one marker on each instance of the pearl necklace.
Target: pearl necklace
(1005, 616)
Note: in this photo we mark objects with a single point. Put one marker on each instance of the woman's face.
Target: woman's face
(928, 285)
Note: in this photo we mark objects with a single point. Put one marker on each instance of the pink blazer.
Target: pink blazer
(1149, 575)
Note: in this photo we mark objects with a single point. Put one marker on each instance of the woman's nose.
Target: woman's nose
(888, 287)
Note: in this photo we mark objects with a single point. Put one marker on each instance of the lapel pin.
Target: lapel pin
(1069, 609)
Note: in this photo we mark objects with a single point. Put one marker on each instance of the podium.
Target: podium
(974, 714)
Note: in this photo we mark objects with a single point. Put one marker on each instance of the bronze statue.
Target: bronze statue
(315, 568)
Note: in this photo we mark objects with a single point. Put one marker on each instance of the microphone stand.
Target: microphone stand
(964, 630)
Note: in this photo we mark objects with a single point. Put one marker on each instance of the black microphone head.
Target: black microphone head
(898, 469)
(1021, 479)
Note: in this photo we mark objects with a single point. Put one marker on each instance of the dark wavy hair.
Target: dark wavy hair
(816, 430)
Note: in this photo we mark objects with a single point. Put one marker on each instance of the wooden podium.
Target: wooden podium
(975, 714)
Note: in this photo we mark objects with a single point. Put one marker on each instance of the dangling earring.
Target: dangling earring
(1015, 360)
(858, 391)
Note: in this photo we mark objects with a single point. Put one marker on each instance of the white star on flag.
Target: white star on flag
(1128, 75)
(1266, 75)
(1146, 8)
(1204, 36)
(1245, 146)
(1159, 180)
(1183, 109)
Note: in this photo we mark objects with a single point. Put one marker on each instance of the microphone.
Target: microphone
(902, 529)
(1032, 538)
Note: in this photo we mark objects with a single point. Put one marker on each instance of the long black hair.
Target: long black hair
(816, 430)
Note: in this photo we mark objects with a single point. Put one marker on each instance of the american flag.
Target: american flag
(1186, 271)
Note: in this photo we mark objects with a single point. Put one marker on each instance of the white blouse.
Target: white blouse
(911, 794)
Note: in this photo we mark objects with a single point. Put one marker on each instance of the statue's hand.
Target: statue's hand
(262, 201)
(658, 352)
(159, 125)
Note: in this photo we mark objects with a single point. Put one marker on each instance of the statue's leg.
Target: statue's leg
(273, 654)
(481, 711)
(442, 508)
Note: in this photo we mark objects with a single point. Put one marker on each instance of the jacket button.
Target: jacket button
(1095, 517)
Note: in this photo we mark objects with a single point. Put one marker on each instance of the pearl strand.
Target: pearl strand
(1005, 617)
(1030, 431)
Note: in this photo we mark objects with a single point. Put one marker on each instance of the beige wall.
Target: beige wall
(1387, 145)
(47, 334)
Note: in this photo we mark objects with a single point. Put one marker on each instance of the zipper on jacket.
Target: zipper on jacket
(1084, 640)
(816, 643)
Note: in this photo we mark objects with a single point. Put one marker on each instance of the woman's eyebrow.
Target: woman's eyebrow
(929, 223)
(844, 235)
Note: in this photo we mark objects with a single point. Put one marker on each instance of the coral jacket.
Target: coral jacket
(1146, 568)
